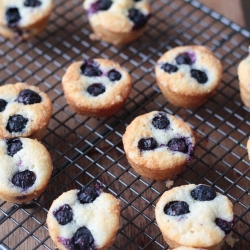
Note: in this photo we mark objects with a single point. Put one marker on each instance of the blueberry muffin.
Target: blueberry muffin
(248, 148)
(158, 145)
(194, 216)
(26, 168)
(84, 219)
(187, 248)
(23, 19)
(25, 111)
(96, 87)
(244, 78)
(117, 21)
(188, 75)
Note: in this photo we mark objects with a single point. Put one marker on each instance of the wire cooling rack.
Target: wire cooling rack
(87, 150)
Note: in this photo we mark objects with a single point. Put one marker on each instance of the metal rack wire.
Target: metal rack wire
(87, 150)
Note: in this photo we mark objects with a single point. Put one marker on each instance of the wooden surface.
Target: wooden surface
(231, 9)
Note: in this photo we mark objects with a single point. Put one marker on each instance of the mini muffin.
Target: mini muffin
(117, 21)
(158, 145)
(194, 216)
(25, 111)
(26, 168)
(84, 219)
(188, 75)
(96, 87)
(23, 19)
(187, 248)
(248, 148)
(244, 78)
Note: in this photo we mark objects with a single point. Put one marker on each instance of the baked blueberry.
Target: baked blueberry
(170, 68)
(32, 3)
(185, 58)
(114, 75)
(224, 225)
(90, 68)
(203, 193)
(147, 144)
(176, 208)
(178, 144)
(16, 123)
(161, 121)
(24, 179)
(83, 240)
(103, 4)
(200, 76)
(3, 104)
(138, 18)
(96, 89)
(64, 214)
(12, 16)
(87, 195)
(13, 146)
(28, 97)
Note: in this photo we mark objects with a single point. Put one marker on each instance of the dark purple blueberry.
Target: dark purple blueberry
(96, 89)
(138, 18)
(87, 195)
(147, 144)
(24, 179)
(104, 4)
(13, 146)
(32, 3)
(64, 214)
(28, 97)
(224, 225)
(176, 208)
(99, 5)
(160, 121)
(169, 68)
(114, 75)
(203, 193)
(90, 68)
(3, 104)
(13, 17)
(178, 144)
(16, 123)
(185, 58)
(200, 76)
(83, 240)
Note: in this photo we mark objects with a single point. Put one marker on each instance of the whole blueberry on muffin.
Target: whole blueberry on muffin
(188, 75)
(23, 19)
(25, 111)
(96, 87)
(26, 168)
(84, 219)
(117, 21)
(194, 216)
(158, 145)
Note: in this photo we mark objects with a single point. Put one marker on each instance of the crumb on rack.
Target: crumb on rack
(230, 240)
(94, 37)
(169, 183)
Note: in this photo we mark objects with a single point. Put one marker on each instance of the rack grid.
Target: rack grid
(88, 150)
